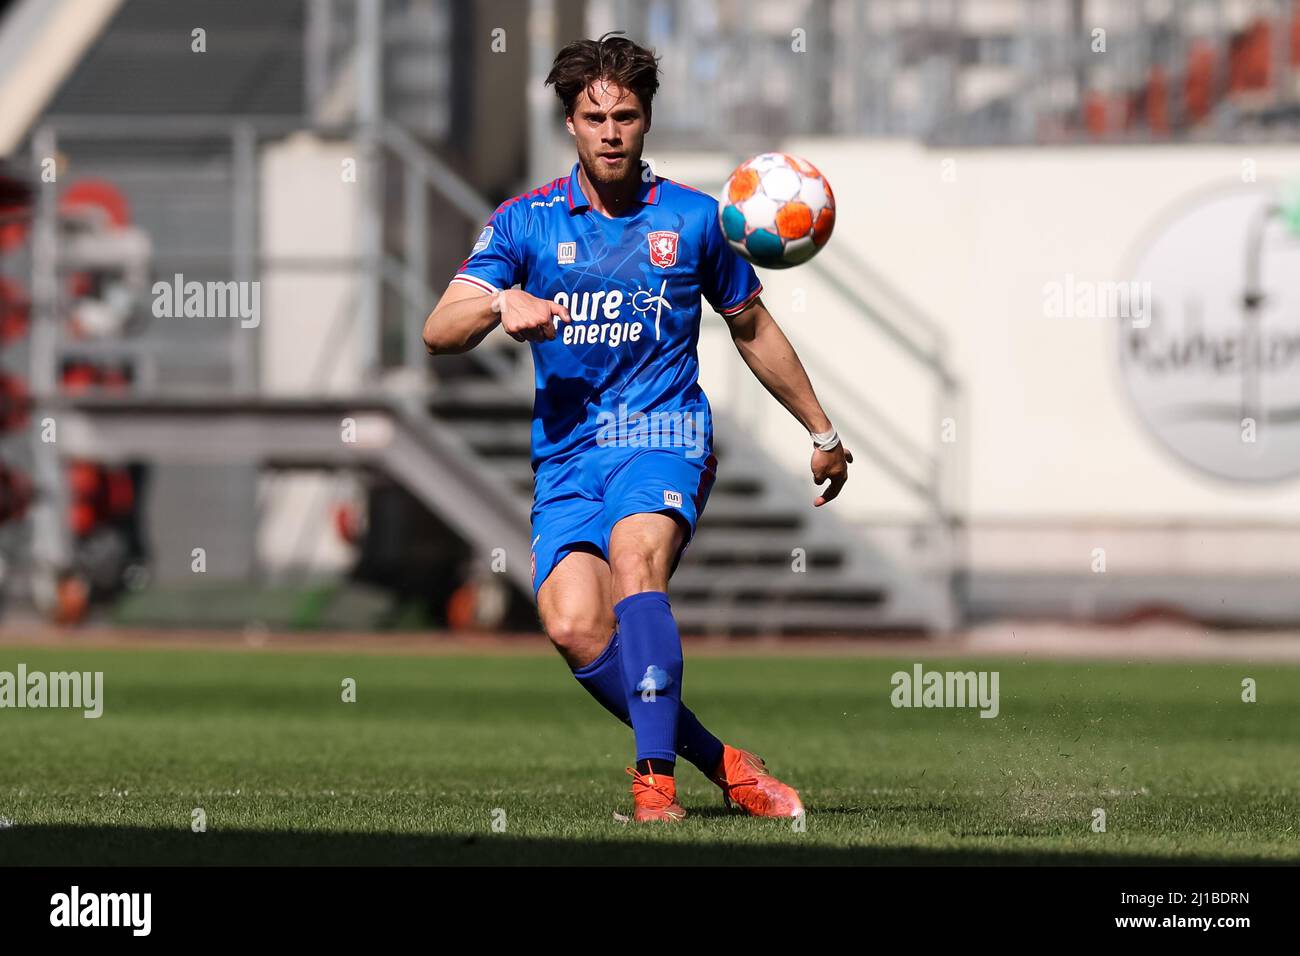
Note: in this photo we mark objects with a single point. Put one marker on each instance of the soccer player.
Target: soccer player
(602, 271)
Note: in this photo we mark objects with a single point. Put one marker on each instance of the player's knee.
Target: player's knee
(635, 570)
(579, 638)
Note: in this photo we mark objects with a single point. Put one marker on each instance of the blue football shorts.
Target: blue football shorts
(577, 502)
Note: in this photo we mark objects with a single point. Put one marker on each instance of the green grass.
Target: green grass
(412, 772)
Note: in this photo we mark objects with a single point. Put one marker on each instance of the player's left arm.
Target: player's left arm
(773, 360)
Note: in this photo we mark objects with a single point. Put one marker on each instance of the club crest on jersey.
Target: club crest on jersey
(663, 248)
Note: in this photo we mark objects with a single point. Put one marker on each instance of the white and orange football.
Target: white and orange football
(777, 210)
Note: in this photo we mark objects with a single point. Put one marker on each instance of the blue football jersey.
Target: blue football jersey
(633, 286)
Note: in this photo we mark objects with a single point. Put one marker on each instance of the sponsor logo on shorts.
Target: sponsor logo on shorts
(673, 499)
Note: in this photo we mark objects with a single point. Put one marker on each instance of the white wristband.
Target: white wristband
(826, 441)
(499, 301)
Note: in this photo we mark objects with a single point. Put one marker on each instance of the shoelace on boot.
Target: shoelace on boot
(727, 786)
(648, 782)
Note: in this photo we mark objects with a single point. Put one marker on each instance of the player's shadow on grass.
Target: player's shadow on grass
(138, 846)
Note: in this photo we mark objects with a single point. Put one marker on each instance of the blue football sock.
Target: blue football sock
(603, 680)
(652, 672)
(696, 744)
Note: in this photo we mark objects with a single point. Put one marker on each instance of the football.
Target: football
(777, 210)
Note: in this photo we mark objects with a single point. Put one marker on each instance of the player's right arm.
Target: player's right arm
(465, 315)
(480, 294)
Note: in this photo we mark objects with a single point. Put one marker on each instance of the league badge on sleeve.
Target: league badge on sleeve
(663, 248)
(481, 243)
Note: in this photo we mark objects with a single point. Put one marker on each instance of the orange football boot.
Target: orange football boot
(746, 783)
(655, 798)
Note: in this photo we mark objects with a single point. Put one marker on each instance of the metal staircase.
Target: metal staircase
(391, 435)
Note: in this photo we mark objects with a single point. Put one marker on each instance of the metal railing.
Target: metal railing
(421, 173)
(224, 151)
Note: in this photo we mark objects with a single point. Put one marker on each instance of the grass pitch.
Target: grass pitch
(436, 747)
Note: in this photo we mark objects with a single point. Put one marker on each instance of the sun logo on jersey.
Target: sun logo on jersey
(663, 248)
(643, 300)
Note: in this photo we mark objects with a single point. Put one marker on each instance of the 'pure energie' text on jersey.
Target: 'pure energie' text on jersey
(632, 285)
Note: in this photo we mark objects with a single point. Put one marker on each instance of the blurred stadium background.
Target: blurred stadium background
(1027, 447)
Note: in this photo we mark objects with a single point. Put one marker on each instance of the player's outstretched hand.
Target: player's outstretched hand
(527, 318)
(832, 466)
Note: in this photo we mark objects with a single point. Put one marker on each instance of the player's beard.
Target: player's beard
(611, 173)
(626, 170)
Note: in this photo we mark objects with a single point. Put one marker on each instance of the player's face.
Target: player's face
(609, 127)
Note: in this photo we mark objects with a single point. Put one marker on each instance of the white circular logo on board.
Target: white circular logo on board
(1215, 375)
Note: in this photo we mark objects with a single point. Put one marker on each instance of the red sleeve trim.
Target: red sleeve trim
(744, 304)
(476, 282)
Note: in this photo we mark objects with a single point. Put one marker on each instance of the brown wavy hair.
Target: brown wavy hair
(614, 58)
